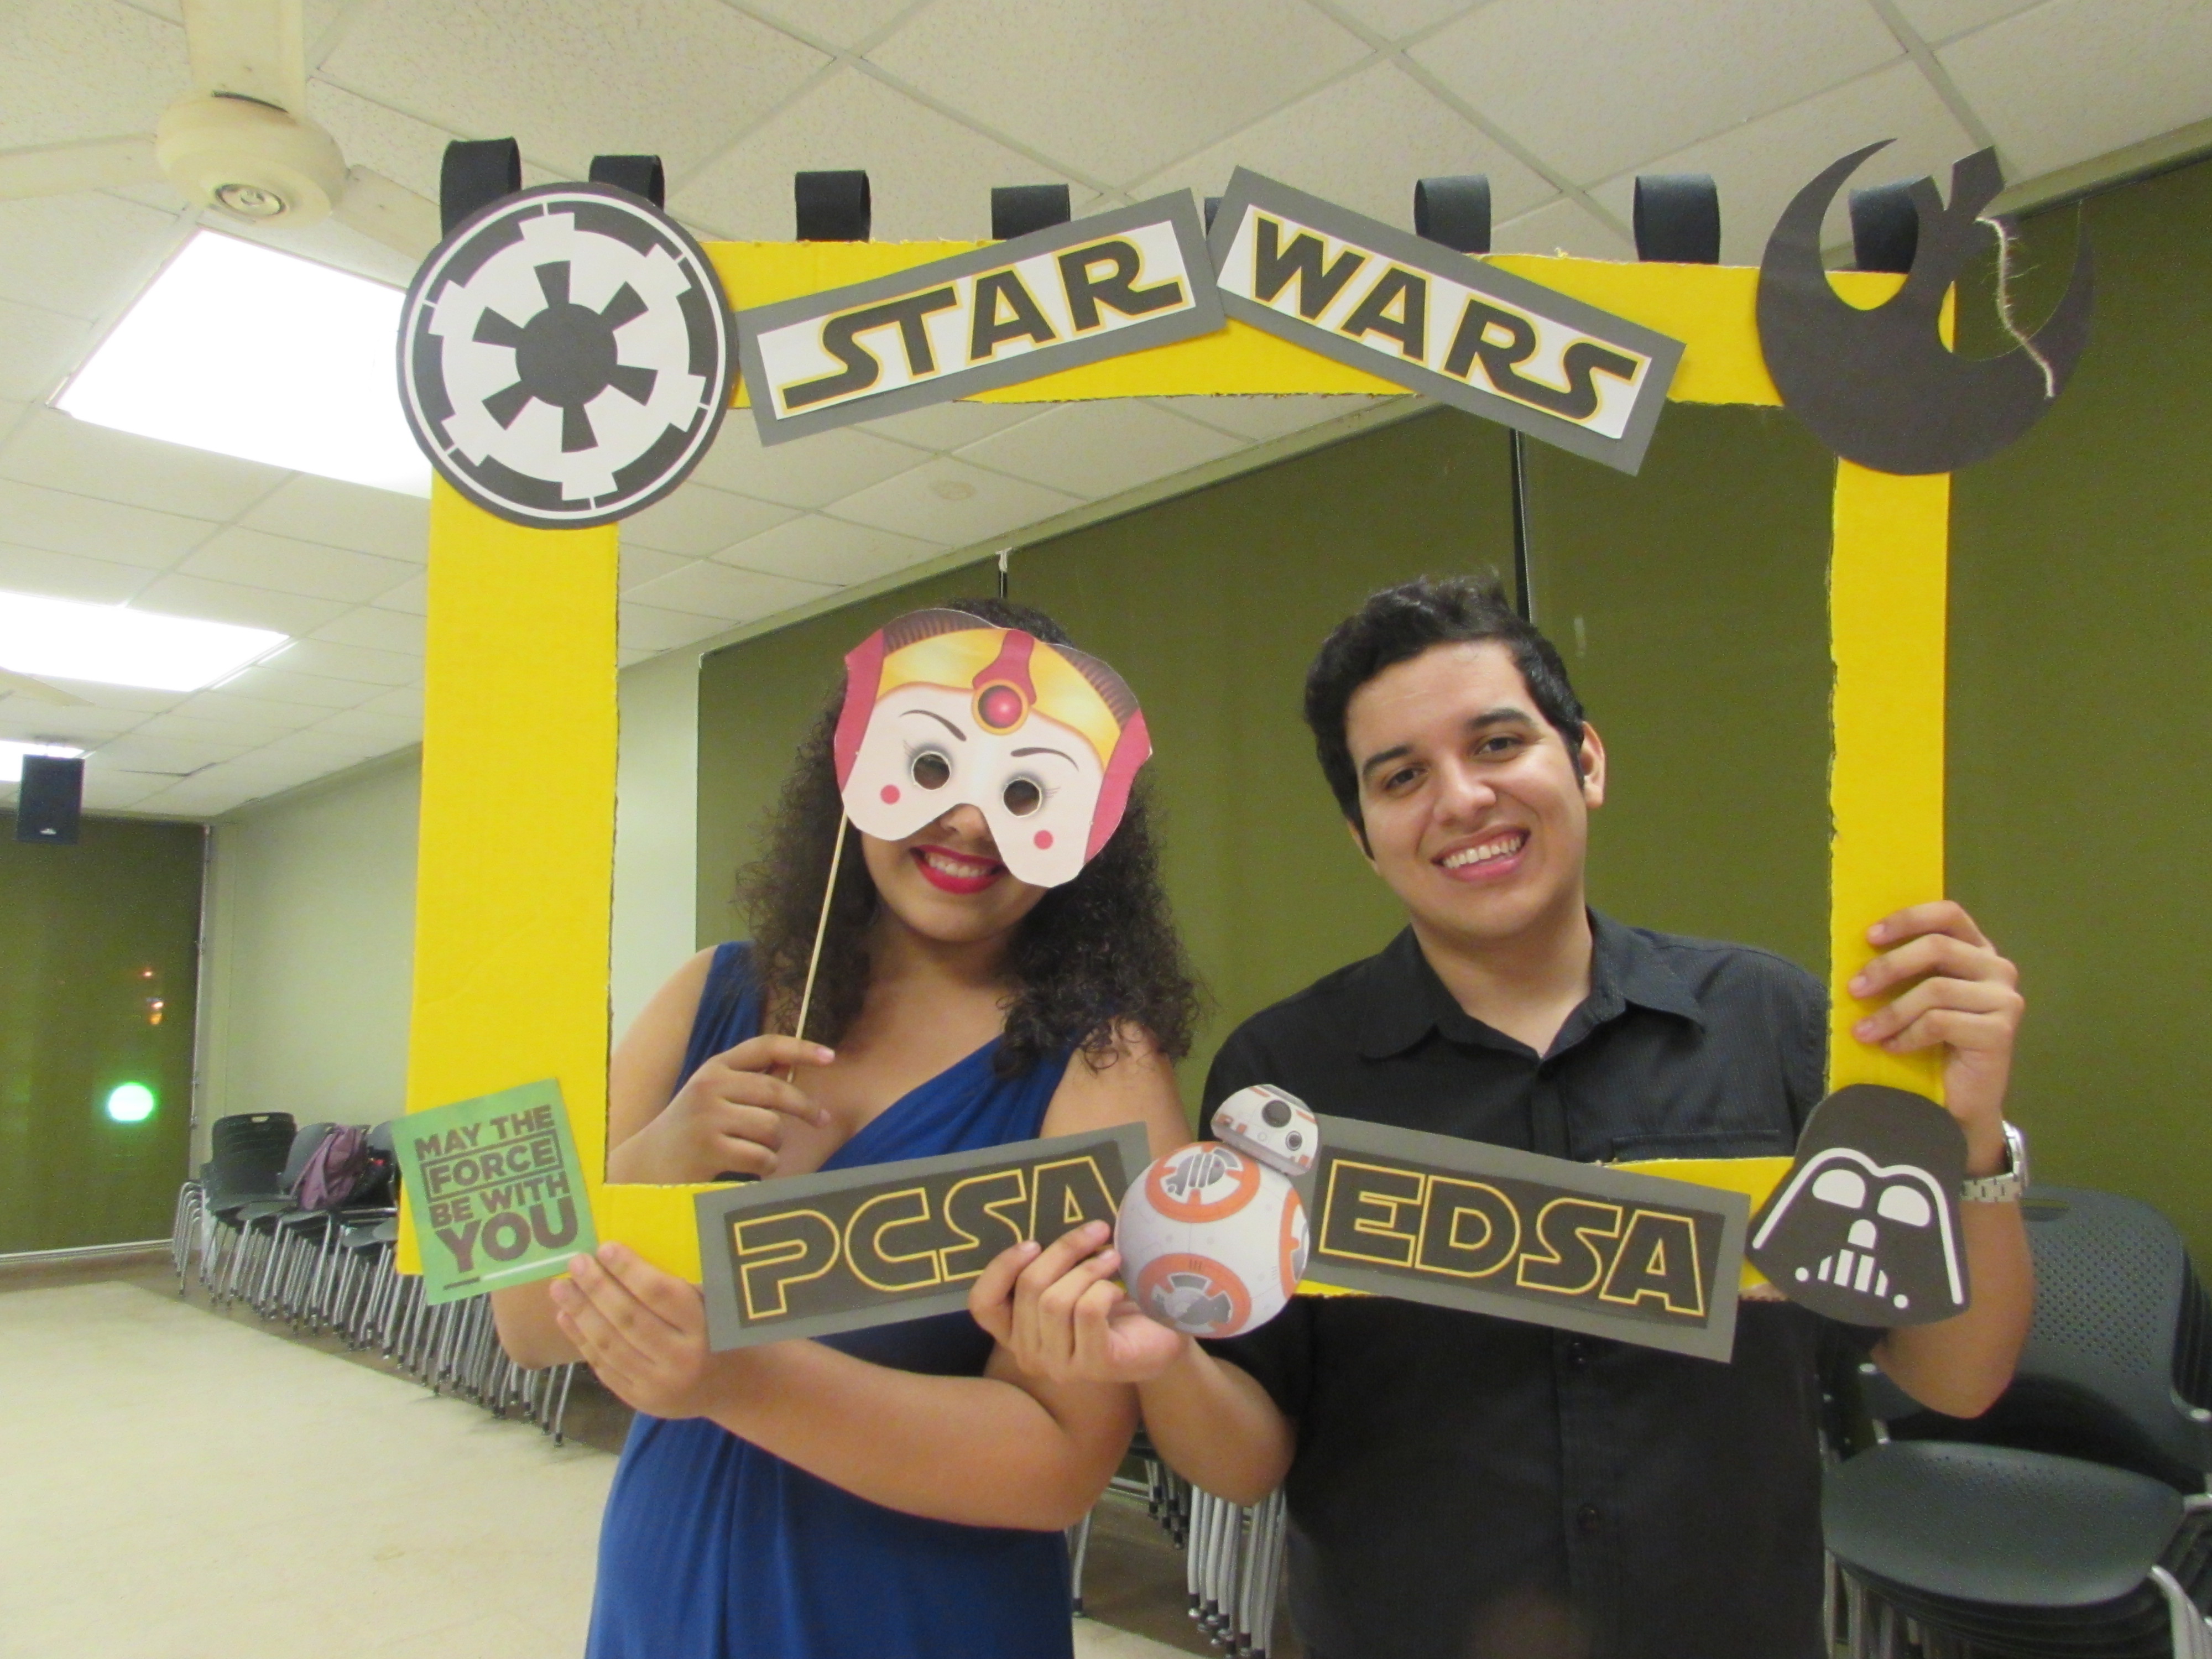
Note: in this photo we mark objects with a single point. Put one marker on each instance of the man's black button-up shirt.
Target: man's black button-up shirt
(1469, 1486)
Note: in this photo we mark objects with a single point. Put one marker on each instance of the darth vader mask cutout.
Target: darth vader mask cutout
(943, 710)
(1865, 1229)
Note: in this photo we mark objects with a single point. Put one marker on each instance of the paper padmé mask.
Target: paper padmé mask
(943, 709)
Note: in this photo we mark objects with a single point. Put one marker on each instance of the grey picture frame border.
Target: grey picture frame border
(1203, 316)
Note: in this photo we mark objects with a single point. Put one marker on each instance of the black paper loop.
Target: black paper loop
(476, 172)
(832, 207)
(1678, 218)
(1018, 209)
(640, 175)
(1454, 210)
(1213, 207)
(1884, 228)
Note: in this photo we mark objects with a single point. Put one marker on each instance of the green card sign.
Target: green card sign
(496, 1191)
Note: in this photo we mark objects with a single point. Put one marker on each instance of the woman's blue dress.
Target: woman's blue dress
(713, 1549)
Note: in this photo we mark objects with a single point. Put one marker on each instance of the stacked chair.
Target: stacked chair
(241, 1222)
(2074, 1518)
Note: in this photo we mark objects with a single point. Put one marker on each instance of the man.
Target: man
(1459, 1484)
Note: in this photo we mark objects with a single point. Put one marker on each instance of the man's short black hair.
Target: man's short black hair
(1398, 624)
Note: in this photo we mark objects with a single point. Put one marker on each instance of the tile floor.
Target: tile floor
(182, 1485)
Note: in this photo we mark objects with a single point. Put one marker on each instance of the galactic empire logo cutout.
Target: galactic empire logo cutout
(565, 356)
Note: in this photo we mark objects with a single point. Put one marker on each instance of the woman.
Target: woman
(897, 1490)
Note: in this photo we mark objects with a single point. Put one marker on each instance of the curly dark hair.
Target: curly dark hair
(1095, 953)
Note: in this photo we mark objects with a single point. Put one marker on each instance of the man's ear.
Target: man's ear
(1358, 832)
(1591, 761)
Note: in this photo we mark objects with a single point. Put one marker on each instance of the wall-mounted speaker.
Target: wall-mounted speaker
(51, 801)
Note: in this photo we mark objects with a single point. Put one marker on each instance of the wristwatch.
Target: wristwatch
(2006, 1188)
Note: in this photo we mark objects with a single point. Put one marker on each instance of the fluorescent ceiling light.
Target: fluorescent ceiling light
(11, 757)
(246, 351)
(113, 645)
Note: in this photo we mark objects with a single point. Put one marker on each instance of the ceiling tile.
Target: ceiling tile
(144, 751)
(1761, 165)
(951, 503)
(841, 23)
(85, 69)
(640, 565)
(1362, 142)
(228, 602)
(817, 549)
(350, 662)
(33, 719)
(244, 734)
(646, 627)
(1261, 418)
(67, 575)
(391, 730)
(339, 515)
(193, 799)
(811, 472)
(63, 523)
(412, 596)
(630, 655)
(406, 701)
(1938, 21)
(948, 426)
(1396, 18)
(310, 692)
(1661, 74)
(728, 594)
(929, 177)
(37, 348)
(1094, 450)
(697, 521)
(1157, 78)
(570, 78)
(52, 448)
(380, 631)
(2076, 78)
(1562, 226)
(229, 706)
(319, 745)
(119, 790)
(80, 255)
(260, 560)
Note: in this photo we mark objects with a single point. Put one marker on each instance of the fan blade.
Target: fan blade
(88, 164)
(395, 215)
(11, 681)
(251, 48)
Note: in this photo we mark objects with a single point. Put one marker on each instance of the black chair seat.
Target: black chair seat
(1998, 1525)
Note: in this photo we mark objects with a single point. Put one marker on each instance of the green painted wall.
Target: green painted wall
(2081, 708)
(90, 936)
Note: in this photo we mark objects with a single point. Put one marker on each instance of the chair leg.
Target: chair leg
(1079, 1546)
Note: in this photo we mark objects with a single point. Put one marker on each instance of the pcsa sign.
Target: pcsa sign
(1057, 298)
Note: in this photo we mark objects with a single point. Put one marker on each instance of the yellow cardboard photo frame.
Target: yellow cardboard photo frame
(515, 870)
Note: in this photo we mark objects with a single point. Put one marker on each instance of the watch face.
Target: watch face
(565, 356)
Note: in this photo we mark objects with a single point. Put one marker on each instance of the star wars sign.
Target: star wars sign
(1440, 323)
(565, 356)
(1489, 1230)
(1055, 299)
(848, 1249)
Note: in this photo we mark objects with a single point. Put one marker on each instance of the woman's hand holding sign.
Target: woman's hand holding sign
(728, 1116)
(1057, 1311)
(641, 1331)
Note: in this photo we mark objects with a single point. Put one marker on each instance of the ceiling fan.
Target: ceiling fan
(11, 681)
(239, 142)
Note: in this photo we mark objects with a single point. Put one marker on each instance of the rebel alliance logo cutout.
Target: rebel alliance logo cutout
(565, 356)
(1866, 1227)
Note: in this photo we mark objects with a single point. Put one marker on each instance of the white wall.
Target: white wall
(311, 918)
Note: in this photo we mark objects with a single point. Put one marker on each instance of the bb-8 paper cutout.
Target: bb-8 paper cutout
(1214, 1238)
(943, 710)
